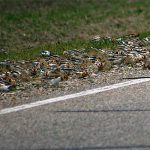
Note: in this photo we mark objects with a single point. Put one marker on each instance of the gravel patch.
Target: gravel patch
(77, 70)
(33, 92)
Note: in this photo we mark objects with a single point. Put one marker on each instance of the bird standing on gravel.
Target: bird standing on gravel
(5, 88)
(55, 82)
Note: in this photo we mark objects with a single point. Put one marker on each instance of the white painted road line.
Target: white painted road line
(75, 95)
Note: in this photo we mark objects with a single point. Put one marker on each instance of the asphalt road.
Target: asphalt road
(115, 119)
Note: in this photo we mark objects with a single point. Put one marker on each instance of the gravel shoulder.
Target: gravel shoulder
(34, 92)
(78, 70)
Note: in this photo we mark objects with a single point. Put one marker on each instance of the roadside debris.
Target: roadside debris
(45, 53)
(76, 63)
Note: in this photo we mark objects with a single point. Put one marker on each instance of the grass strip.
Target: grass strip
(57, 49)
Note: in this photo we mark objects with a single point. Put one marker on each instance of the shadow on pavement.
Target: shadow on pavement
(97, 111)
(102, 147)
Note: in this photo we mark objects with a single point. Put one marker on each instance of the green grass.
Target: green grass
(57, 49)
(26, 26)
(144, 34)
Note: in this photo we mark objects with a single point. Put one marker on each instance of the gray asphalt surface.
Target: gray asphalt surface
(116, 119)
